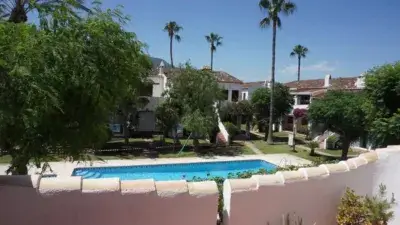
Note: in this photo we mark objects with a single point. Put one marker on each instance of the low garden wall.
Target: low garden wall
(312, 193)
(73, 201)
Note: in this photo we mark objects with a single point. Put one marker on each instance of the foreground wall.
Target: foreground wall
(73, 201)
(311, 193)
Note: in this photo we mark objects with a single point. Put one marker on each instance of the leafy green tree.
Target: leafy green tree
(56, 91)
(261, 99)
(299, 51)
(215, 41)
(273, 8)
(173, 29)
(197, 91)
(342, 112)
(17, 10)
(382, 87)
(168, 115)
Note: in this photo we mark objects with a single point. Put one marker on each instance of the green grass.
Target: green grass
(338, 153)
(281, 149)
(285, 149)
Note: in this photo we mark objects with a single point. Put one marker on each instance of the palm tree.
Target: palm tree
(273, 8)
(17, 10)
(215, 40)
(173, 29)
(300, 52)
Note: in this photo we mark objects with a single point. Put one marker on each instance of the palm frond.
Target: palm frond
(278, 22)
(288, 8)
(178, 38)
(292, 54)
(264, 4)
(208, 38)
(266, 22)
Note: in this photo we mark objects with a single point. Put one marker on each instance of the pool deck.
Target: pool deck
(66, 168)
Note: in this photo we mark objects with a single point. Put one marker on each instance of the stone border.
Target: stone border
(303, 174)
(48, 186)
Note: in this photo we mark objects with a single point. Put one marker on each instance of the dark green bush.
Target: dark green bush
(231, 129)
(331, 142)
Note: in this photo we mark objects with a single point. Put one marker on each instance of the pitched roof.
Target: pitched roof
(222, 77)
(251, 84)
(340, 83)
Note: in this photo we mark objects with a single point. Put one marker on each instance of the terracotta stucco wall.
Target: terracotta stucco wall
(72, 201)
(312, 193)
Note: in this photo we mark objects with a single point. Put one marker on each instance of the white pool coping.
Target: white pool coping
(66, 168)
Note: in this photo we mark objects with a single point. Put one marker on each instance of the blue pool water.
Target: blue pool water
(180, 171)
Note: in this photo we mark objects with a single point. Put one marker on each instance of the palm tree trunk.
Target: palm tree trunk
(18, 13)
(212, 59)
(271, 110)
(170, 51)
(298, 69)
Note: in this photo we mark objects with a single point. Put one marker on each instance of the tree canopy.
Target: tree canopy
(60, 81)
(283, 101)
(343, 113)
(197, 91)
(382, 87)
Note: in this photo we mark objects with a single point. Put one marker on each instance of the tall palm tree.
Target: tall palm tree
(300, 52)
(273, 9)
(17, 10)
(173, 29)
(215, 40)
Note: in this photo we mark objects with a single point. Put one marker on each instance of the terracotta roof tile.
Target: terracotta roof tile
(340, 83)
(255, 83)
(222, 77)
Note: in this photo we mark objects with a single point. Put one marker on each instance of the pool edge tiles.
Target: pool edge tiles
(175, 171)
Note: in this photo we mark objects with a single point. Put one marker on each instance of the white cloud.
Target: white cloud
(323, 66)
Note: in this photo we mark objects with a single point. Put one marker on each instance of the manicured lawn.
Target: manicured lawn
(285, 149)
(339, 152)
(281, 149)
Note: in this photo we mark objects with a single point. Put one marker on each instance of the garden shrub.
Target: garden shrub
(352, 210)
(360, 210)
(231, 129)
(313, 145)
(379, 207)
(331, 142)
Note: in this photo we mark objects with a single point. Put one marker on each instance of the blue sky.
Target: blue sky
(344, 38)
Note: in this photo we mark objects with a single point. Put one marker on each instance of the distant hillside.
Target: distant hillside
(156, 62)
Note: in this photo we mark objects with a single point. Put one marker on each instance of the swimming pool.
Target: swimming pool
(178, 171)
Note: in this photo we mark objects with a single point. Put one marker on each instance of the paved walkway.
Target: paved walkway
(66, 168)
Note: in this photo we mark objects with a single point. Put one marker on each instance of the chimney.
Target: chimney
(327, 82)
(360, 81)
(161, 68)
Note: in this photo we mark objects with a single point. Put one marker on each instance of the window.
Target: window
(303, 100)
(147, 90)
(235, 95)
(244, 96)
(289, 119)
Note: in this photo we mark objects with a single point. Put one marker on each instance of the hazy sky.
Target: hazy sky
(345, 37)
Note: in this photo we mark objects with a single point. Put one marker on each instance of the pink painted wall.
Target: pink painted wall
(311, 193)
(174, 203)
